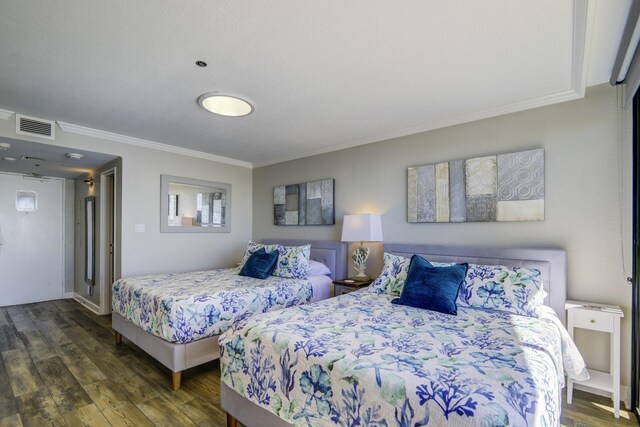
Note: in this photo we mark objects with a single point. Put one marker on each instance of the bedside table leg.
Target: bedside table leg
(569, 380)
(615, 367)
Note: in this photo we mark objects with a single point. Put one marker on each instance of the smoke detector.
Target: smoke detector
(4, 145)
(75, 156)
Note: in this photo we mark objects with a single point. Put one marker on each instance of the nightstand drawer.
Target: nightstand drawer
(342, 289)
(592, 319)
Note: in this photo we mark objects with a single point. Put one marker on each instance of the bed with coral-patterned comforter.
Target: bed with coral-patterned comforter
(184, 307)
(359, 360)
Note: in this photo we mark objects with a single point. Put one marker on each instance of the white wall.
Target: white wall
(152, 251)
(588, 159)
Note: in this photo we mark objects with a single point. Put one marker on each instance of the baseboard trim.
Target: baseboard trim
(625, 395)
(88, 304)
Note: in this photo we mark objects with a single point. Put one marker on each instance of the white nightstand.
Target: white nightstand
(603, 318)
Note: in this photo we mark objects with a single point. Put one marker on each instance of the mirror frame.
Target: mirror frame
(164, 205)
(89, 240)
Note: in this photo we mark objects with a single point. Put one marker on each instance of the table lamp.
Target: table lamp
(361, 228)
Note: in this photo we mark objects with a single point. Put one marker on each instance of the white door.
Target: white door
(31, 243)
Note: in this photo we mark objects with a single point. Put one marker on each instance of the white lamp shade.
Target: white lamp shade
(362, 228)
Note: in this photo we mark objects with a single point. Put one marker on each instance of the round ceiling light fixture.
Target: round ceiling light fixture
(9, 159)
(75, 156)
(4, 145)
(225, 105)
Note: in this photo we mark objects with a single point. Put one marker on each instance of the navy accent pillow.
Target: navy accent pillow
(260, 264)
(432, 288)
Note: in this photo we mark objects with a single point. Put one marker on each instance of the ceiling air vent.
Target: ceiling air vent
(34, 159)
(34, 126)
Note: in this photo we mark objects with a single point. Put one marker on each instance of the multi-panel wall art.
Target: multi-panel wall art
(309, 203)
(506, 187)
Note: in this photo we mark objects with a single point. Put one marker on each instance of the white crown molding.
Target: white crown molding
(5, 114)
(583, 23)
(86, 131)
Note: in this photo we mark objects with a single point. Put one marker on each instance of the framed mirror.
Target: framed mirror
(194, 206)
(89, 239)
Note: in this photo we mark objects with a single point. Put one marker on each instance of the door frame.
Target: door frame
(105, 205)
(635, 293)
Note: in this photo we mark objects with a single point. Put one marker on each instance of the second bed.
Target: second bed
(177, 318)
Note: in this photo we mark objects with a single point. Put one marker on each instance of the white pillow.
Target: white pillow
(318, 269)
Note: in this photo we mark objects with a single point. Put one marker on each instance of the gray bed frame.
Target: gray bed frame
(178, 357)
(552, 264)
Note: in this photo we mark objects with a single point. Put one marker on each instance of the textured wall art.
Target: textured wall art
(309, 203)
(506, 187)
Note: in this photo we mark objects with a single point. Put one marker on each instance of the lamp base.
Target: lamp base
(361, 278)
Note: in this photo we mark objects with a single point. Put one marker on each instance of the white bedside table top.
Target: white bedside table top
(612, 309)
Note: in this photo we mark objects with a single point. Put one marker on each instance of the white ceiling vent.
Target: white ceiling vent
(34, 126)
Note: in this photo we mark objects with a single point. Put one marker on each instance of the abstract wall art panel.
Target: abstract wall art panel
(505, 187)
(309, 203)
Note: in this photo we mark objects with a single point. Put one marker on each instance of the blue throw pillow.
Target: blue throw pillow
(432, 288)
(260, 264)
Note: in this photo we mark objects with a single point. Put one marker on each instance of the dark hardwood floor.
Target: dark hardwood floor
(60, 366)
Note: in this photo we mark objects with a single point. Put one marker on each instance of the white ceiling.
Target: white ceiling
(322, 75)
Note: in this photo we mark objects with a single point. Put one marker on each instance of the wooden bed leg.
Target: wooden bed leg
(231, 421)
(118, 338)
(176, 377)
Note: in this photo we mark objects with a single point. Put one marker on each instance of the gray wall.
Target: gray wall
(588, 213)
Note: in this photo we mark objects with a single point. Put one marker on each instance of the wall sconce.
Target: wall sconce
(89, 182)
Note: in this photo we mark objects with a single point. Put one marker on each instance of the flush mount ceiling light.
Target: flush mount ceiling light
(225, 105)
(75, 156)
(4, 145)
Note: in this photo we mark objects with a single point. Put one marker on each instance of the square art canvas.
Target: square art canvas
(504, 187)
(309, 203)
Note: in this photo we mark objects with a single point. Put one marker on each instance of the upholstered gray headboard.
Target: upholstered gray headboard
(332, 254)
(552, 264)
